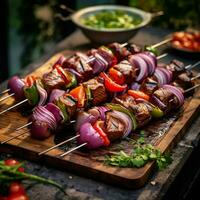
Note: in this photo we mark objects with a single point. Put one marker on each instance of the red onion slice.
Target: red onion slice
(55, 110)
(150, 62)
(16, 85)
(177, 92)
(42, 92)
(55, 94)
(89, 135)
(141, 65)
(135, 86)
(167, 73)
(84, 117)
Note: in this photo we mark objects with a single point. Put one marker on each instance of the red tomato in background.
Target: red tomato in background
(13, 162)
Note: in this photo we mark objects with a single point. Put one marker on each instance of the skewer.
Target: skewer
(92, 57)
(24, 126)
(161, 43)
(73, 149)
(70, 139)
(189, 67)
(6, 97)
(13, 137)
(14, 106)
(59, 144)
(5, 91)
(192, 88)
(158, 57)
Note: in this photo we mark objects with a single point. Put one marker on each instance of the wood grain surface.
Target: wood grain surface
(87, 163)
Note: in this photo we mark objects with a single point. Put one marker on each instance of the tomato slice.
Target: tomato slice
(29, 81)
(98, 127)
(138, 94)
(117, 76)
(79, 94)
(111, 85)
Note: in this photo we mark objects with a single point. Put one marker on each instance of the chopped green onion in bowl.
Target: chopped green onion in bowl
(111, 19)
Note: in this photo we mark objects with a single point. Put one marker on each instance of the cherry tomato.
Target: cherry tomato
(177, 43)
(17, 196)
(3, 198)
(178, 35)
(13, 162)
(16, 187)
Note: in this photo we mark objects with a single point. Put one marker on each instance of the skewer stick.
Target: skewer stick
(59, 144)
(24, 126)
(13, 137)
(195, 77)
(5, 91)
(162, 56)
(192, 88)
(189, 67)
(161, 43)
(6, 97)
(73, 149)
(14, 106)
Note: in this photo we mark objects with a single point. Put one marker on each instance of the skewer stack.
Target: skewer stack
(114, 82)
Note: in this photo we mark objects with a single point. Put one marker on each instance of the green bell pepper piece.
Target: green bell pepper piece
(73, 81)
(32, 95)
(151, 49)
(156, 112)
(63, 110)
(121, 108)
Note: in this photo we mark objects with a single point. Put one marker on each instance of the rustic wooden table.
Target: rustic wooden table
(176, 181)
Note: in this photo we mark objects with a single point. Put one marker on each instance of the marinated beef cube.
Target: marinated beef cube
(114, 126)
(53, 80)
(142, 113)
(176, 67)
(97, 90)
(70, 103)
(133, 48)
(124, 100)
(149, 85)
(120, 51)
(127, 70)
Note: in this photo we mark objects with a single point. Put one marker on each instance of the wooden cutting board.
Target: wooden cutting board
(90, 164)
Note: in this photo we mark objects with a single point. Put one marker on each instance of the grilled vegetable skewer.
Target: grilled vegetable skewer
(44, 111)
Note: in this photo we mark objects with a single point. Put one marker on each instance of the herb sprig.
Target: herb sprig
(141, 154)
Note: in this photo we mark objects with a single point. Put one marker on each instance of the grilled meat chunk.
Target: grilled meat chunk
(149, 85)
(114, 126)
(124, 100)
(127, 70)
(97, 90)
(142, 113)
(176, 67)
(70, 103)
(53, 80)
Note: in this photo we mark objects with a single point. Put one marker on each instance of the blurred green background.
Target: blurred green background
(31, 28)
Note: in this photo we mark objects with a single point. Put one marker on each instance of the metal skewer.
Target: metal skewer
(6, 97)
(5, 91)
(13, 137)
(191, 66)
(73, 149)
(161, 43)
(61, 143)
(14, 106)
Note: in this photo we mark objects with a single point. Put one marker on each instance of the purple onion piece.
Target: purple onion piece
(135, 86)
(55, 94)
(89, 135)
(16, 85)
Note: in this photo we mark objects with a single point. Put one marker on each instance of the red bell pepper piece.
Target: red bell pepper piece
(138, 94)
(111, 85)
(117, 76)
(98, 126)
(79, 94)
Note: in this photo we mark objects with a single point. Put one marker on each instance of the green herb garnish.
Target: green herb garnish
(140, 155)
